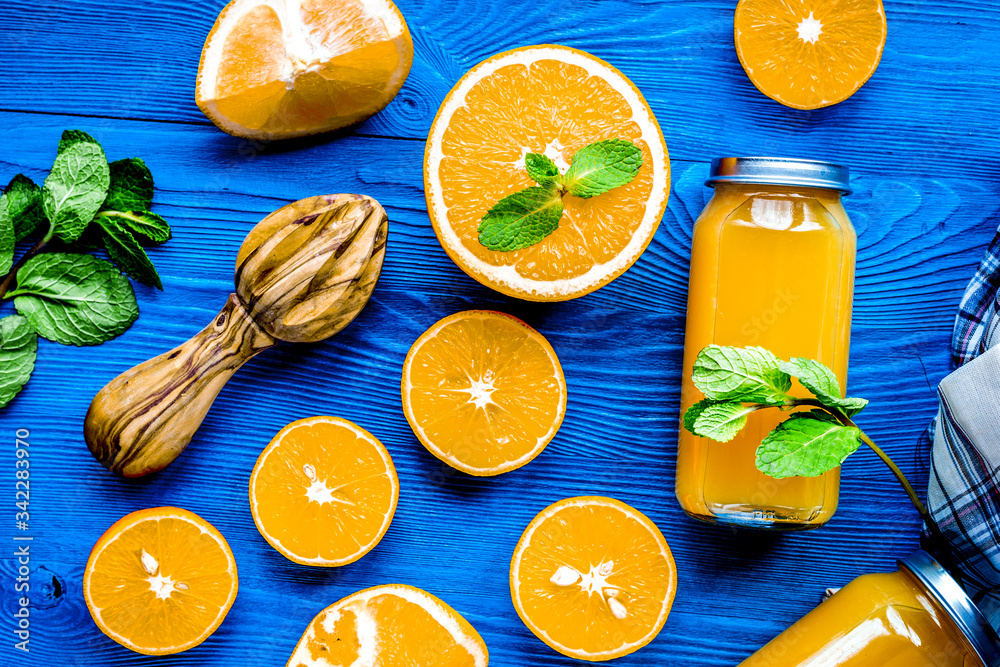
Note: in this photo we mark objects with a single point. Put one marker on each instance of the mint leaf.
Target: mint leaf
(131, 187)
(18, 347)
(541, 169)
(745, 375)
(6, 239)
(852, 406)
(127, 254)
(815, 377)
(71, 138)
(148, 226)
(602, 166)
(722, 421)
(521, 219)
(74, 299)
(75, 189)
(823, 383)
(806, 444)
(22, 204)
(691, 414)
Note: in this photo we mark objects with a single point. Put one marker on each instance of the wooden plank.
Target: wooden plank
(453, 534)
(918, 114)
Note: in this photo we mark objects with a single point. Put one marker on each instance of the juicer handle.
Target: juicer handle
(144, 418)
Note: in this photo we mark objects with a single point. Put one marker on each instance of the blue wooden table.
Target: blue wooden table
(921, 141)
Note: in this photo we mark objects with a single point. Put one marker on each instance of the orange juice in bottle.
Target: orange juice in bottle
(917, 616)
(772, 265)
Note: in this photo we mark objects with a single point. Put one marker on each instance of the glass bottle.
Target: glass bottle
(917, 616)
(772, 265)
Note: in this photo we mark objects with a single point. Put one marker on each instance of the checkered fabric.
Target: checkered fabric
(963, 495)
(977, 324)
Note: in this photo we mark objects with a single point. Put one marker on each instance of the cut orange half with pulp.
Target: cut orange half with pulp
(323, 492)
(275, 69)
(160, 581)
(390, 626)
(593, 578)
(552, 100)
(483, 392)
(808, 54)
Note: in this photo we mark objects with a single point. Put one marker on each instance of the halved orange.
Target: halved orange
(390, 626)
(553, 100)
(323, 491)
(593, 578)
(483, 392)
(274, 70)
(808, 54)
(160, 580)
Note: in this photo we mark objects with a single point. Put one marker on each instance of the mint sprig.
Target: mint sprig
(18, 345)
(521, 219)
(541, 168)
(603, 166)
(69, 297)
(739, 381)
(74, 299)
(527, 216)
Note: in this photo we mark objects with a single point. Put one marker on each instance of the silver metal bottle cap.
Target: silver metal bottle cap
(957, 603)
(780, 171)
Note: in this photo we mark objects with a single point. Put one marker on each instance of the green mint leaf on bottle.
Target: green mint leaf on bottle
(602, 166)
(21, 203)
(131, 187)
(541, 168)
(75, 189)
(747, 375)
(691, 414)
(127, 254)
(823, 384)
(806, 444)
(526, 217)
(738, 381)
(74, 299)
(521, 219)
(722, 421)
(18, 347)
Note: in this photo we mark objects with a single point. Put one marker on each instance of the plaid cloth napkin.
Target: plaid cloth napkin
(963, 495)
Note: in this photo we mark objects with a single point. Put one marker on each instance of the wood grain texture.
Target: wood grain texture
(921, 106)
(142, 420)
(922, 146)
(302, 274)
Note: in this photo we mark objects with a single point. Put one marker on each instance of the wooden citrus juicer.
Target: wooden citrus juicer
(302, 274)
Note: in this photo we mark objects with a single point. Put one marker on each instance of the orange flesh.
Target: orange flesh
(353, 491)
(483, 350)
(776, 271)
(878, 620)
(391, 630)
(810, 53)
(120, 588)
(577, 617)
(264, 86)
(547, 105)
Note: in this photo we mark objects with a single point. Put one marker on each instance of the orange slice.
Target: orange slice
(160, 581)
(553, 100)
(274, 69)
(483, 392)
(809, 54)
(323, 492)
(390, 626)
(593, 578)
